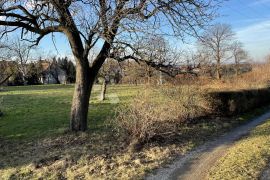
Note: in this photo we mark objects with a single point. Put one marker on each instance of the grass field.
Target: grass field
(247, 158)
(38, 111)
(35, 142)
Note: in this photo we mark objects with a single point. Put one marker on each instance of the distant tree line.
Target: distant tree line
(57, 70)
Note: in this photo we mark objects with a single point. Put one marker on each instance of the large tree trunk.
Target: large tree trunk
(85, 78)
(80, 103)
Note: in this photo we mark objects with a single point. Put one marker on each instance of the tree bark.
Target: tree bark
(218, 69)
(80, 102)
(218, 73)
(85, 78)
(103, 90)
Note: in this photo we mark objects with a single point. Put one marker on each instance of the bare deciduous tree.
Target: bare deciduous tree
(110, 71)
(217, 40)
(6, 71)
(239, 55)
(21, 52)
(6, 67)
(154, 51)
(86, 22)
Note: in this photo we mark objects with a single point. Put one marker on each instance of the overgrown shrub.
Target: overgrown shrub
(158, 112)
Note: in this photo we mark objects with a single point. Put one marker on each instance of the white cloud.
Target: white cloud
(256, 38)
(261, 27)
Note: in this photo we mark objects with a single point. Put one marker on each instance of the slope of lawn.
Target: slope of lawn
(247, 158)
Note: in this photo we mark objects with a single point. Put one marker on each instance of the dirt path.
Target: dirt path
(196, 164)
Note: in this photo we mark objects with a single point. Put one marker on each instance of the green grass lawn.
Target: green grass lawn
(247, 158)
(37, 111)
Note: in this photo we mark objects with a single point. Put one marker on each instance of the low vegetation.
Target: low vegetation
(35, 141)
(182, 98)
(228, 103)
(247, 158)
(148, 117)
(255, 79)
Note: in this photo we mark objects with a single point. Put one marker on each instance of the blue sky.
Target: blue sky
(250, 19)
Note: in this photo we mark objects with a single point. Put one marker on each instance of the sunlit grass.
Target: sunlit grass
(247, 158)
(36, 111)
(35, 141)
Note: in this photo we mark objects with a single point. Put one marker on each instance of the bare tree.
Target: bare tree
(86, 22)
(217, 40)
(156, 49)
(4, 55)
(239, 55)
(21, 52)
(153, 50)
(108, 72)
(153, 54)
(6, 67)
(133, 72)
(6, 71)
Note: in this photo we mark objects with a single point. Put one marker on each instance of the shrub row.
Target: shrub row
(235, 102)
(160, 112)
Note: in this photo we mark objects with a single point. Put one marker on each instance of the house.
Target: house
(51, 73)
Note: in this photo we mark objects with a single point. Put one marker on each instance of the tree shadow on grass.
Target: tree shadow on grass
(39, 146)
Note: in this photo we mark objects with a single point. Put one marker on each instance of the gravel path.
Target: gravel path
(196, 164)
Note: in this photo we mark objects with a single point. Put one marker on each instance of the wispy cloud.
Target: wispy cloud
(259, 2)
(256, 38)
(259, 27)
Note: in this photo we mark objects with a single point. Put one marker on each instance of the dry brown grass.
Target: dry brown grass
(159, 112)
(259, 77)
(81, 156)
(97, 155)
